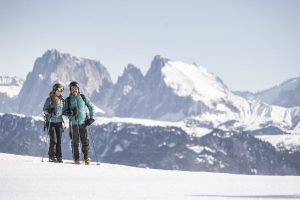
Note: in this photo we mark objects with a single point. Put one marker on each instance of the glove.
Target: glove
(70, 113)
(51, 111)
(88, 122)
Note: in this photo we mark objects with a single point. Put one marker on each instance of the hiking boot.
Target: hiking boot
(59, 159)
(76, 162)
(87, 161)
(52, 159)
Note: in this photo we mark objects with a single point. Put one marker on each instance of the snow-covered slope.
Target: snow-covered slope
(27, 178)
(287, 94)
(9, 89)
(55, 67)
(10, 86)
(192, 80)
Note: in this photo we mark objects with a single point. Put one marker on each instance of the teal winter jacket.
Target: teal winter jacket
(58, 109)
(78, 106)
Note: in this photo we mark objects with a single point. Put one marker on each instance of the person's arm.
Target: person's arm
(91, 107)
(47, 106)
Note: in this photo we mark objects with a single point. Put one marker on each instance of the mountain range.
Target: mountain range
(159, 145)
(194, 105)
(286, 94)
(169, 91)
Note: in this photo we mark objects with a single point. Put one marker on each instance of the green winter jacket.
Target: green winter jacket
(78, 104)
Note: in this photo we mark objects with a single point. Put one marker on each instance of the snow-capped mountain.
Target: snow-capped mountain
(157, 97)
(9, 90)
(154, 145)
(174, 91)
(170, 91)
(110, 97)
(287, 94)
(55, 67)
(10, 86)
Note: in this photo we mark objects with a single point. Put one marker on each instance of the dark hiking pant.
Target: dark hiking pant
(80, 132)
(55, 132)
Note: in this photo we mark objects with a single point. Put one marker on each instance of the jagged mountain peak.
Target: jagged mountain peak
(131, 69)
(54, 66)
(131, 75)
(157, 63)
(53, 53)
(186, 79)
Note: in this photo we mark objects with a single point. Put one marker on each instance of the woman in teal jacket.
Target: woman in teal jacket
(75, 109)
(53, 109)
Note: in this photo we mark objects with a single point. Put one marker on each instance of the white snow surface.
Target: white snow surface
(192, 80)
(190, 130)
(289, 142)
(27, 178)
(11, 86)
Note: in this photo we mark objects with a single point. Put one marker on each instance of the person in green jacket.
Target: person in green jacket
(75, 109)
(53, 109)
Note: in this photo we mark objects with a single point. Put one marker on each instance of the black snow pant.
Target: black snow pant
(55, 132)
(80, 131)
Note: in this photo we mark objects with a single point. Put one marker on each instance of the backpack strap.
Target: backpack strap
(84, 99)
(68, 99)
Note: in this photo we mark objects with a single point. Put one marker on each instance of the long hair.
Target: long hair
(55, 99)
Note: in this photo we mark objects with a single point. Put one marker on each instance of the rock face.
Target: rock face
(111, 97)
(161, 147)
(55, 67)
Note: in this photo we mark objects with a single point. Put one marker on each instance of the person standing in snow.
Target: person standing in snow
(75, 109)
(53, 109)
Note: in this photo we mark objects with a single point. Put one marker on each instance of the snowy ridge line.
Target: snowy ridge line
(11, 86)
(99, 121)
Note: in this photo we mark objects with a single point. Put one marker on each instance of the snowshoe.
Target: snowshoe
(76, 162)
(52, 159)
(87, 161)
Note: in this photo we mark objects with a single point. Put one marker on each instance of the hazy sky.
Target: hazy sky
(251, 45)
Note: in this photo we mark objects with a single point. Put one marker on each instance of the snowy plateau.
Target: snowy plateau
(27, 178)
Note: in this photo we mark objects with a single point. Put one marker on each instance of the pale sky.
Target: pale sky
(251, 45)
